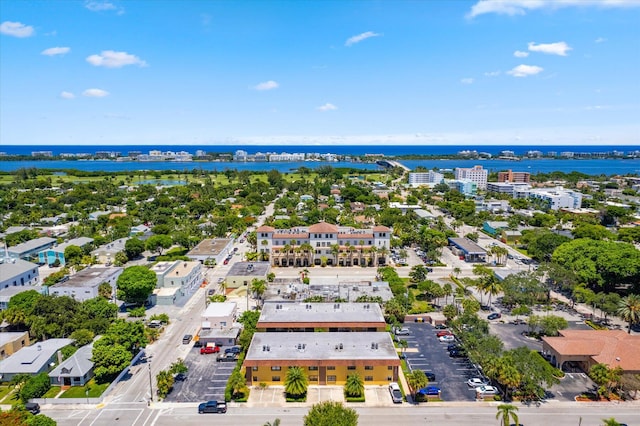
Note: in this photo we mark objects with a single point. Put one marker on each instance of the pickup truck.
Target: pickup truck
(209, 350)
(212, 407)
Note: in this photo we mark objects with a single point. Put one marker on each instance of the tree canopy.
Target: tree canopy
(135, 284)
(331, 413)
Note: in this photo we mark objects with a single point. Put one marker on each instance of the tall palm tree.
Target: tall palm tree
(416, 381)
(354, 386)
(506, 413)
(629, 309)
(258, 287)
(296, 382)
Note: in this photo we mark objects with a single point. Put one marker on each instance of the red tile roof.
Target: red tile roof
(323, 227)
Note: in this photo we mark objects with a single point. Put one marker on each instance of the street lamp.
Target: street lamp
(150, 383)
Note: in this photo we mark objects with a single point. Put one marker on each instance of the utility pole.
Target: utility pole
(150, 383)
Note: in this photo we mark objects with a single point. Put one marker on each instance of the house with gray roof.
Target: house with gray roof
(33, 360)
(76, 370)
(18, 273)
(84, 284)
(30, 248)
(50, 255)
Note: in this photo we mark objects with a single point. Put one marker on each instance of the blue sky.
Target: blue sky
(471, 72)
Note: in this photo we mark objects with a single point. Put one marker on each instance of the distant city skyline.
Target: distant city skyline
(467, 72)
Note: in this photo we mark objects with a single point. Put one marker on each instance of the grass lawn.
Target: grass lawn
(4, 391)
(52, 392)
(95, 390)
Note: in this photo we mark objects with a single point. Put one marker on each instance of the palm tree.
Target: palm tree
(507, 412)
(448, 291)
(416, 381)
(403, 345)
(258, 287)
(456, 271)
(296, 382)
(276, 422)
(610, 422)
(629, 309)
(354, 386)
(237, 383)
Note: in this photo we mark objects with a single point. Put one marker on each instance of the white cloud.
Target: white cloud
(597, 107)
(53, 51)
(521, 7)
(67, 95)
(111, 59)
(95, 93)
(327, 107)
(466, 81)
(102, 6)
(266, 85)
(600, 40)
(360, 37)
(525, 70)
(492, 73)
(520, 54)
(560, 48)
(16, 29)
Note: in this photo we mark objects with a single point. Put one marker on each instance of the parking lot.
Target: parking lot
(425, 352)
(205, 380)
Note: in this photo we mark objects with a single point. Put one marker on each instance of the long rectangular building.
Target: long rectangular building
(324, 243)
(326, 358)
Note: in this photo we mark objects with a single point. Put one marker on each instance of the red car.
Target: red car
(209, 350)
(443, 333)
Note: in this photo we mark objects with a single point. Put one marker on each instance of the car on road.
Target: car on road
(402, 332)
(232, 350)
(494, 315)
(187, 339)
(429, 390)
(209, 350)
(443, 333)
(226, 261)
(476, 382)
(211, 292)
(396, 393)
(430, 376)
(447, 338)
(487, 390)
(220, 280)
(212, 407)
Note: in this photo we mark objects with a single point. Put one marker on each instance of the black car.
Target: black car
(212, 407)
(430, 376)
(440, 327)
(232, 350)
(32, 407)
(187, 339)
(453, 347)
(457, 353)
(180, 377)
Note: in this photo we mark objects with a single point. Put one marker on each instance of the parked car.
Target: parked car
(212, 407)
(429, 390)
(187, 339)
(494, 315)
(32, 407)
(519, 322)
(211, 292)
(402, 332)
(396, 393)
(180, 377)
(457, 353)
(440, 327)
(154, 324)
(209, 350)
(447, 338)
(487, 390)
(228, 357)
(430, 376)
(443, 333)
(453, 346)
(476, 382)
(232, 350)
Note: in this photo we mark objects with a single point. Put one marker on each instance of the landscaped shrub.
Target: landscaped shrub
(35, 387)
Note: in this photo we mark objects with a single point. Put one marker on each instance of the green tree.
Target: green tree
(507, 413)
(40, 420)
(133, 248)
(82, 337)
(296, 382)
(258, 287)
(35, 387)
(551, 324)
(418, 273)
(164, 383)
(354, 386)
(330, 413)
(416, 381)
(629, 309)
(276, 422)
(105, 290)
(135, 284)
(237, 384)
(611, 421)
(450, 312)
(158, 243)
(72, 255)
(109, 360)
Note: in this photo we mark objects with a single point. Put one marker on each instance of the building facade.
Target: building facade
(84, 284)
(511, 176)
(18, 273)
(55, 254)
(475, 174)
(324, 243)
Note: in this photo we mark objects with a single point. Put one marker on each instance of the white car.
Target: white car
(402, 332)
(396, 393)
(447, 338)
(487, 390)
(476, 382)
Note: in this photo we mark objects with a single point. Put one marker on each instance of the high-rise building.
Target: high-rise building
(475, 174)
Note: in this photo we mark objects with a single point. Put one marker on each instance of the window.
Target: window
(368, 378)
(313, 368)
(313, 378)
(331, 368)
(368, 367)
(389, 378)
(276, 368)
(331, 379)
(255, 378)
(389, 367)
(275, 378)
(351, 367)
(254, 368)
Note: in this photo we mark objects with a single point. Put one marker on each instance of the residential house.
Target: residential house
(18, 273)
(76, 370)
(56, 253)
(34, 359)
(30, 249)
(106, 253)
(12, 342)
(175, 280)
(84, 284)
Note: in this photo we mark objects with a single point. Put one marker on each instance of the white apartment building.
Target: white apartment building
(18, 272)
(556, 199)
(506, 187)
(324, 242)
(284, 156)
(175, 280)
(425, 178)
(84, 284)
(475, 174)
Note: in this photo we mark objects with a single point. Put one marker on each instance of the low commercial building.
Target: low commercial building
(176, 280)
(310, 317)
(76, 370)
(326, 358)
(243, 273)
(55, 254)
(84, 284)
(291, 291)
(219, 315)
(11, 342)
(31, 248)
(18, 273)
(211, 250)
(33, 359)
(615, 348)
(467, 250)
